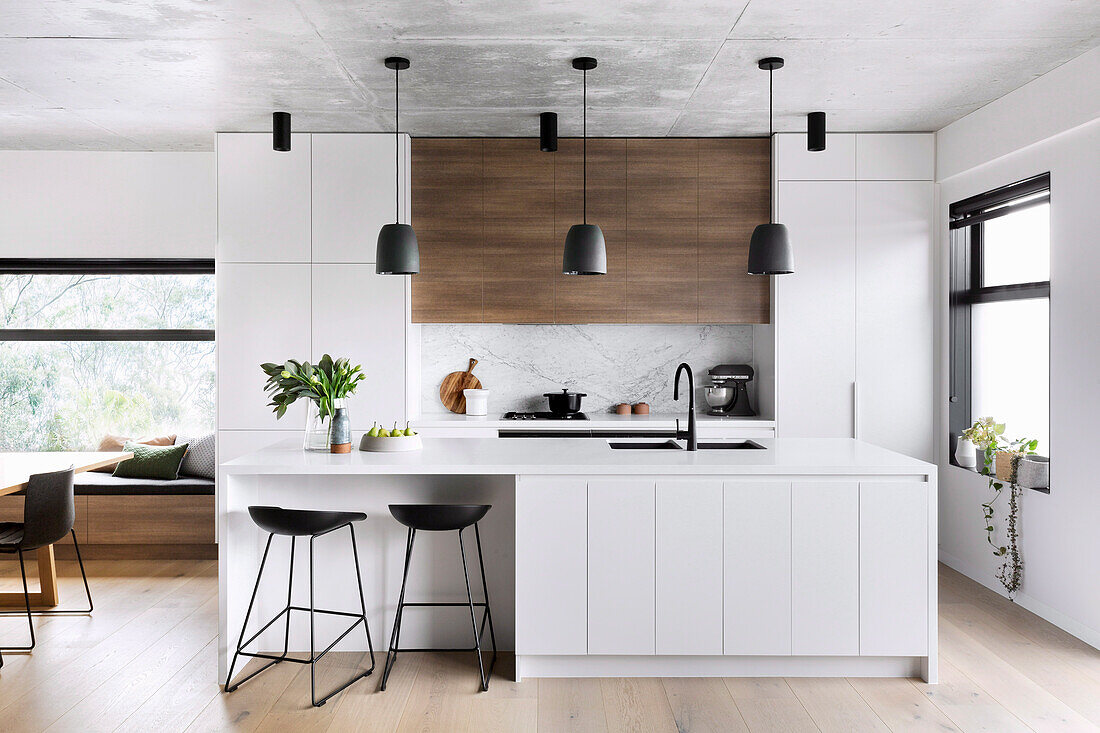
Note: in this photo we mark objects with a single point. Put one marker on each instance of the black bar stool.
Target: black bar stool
(301, 523)
(444, 518)
(49, 511)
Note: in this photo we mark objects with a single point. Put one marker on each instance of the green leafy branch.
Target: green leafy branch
(324, 382)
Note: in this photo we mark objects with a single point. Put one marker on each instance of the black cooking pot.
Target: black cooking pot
(564, 402)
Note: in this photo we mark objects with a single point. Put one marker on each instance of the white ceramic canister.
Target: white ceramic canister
(477, 401)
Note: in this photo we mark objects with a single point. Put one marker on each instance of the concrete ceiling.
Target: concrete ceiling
(166, 74)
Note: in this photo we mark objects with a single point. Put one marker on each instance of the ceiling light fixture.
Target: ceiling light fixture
(280, 131)
(815, 132)
(397, 252)
(548, 132)
(585, 253)
(770, 246)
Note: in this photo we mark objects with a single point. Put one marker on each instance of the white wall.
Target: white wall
(107, 204)
(987, 149)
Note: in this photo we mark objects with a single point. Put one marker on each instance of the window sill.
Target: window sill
(1041, 490)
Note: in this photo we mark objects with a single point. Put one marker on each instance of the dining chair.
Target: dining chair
(49, 511)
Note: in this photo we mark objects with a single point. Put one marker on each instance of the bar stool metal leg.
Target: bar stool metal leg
(488, 611)
(391, 654)
(473, 616)
(247, 615)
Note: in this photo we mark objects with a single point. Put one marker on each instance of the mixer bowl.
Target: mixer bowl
(718, 396)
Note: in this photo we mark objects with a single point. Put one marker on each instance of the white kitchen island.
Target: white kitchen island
(812, 557)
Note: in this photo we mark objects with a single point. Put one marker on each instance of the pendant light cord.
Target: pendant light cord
(771, 155)
(397, 144)
(584, 148)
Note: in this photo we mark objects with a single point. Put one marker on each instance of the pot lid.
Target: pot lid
(565, 392)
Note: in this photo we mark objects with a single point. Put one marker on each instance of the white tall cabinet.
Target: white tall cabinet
(854, 321)
(295, 273)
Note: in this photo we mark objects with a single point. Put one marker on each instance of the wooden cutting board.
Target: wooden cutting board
(450, 389)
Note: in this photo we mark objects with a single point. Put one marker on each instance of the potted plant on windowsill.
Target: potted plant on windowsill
(326, 385)
(999, 459)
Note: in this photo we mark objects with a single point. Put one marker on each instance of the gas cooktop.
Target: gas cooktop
(543, 416)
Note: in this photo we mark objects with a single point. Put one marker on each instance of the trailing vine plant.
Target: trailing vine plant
(987, 434)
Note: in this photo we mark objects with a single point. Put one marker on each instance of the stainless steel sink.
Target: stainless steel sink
(732, 445)
(662, 445)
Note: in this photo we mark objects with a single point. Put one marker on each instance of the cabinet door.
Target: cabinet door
(263, 315)
(895, 156)
(825, 567)
(361, 315)
(837, 162)
(815, 353)
(893, 568)
(757, 582)
(551, 565)
(895, 291)
(354, 193)
(621, 526)
(689, 567)
(263, 199)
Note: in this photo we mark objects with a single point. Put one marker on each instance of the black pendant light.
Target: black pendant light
(770, 246)
(585, 253)
(815, 132)
(548, 132)
(397, 252)
(280, 131)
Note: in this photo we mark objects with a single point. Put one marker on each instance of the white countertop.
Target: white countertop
(595, 421)
(585, 456)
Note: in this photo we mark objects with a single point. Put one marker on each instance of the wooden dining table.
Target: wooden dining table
(15, 471)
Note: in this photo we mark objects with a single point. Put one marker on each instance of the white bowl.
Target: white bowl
(391, 444)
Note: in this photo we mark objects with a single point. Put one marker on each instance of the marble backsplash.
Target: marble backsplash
(610, 363)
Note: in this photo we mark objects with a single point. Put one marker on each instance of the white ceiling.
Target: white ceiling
(165, 74)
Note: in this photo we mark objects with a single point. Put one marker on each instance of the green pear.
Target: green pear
(409, 431)
(383, 433)
(373, 430)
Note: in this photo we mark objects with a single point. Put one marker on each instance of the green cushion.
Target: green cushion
(152, 461)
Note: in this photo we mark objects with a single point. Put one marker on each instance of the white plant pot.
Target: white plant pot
(965, 453)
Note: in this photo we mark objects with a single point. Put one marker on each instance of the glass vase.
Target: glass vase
(318, 433)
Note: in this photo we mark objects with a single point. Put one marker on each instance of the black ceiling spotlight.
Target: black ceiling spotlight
(815, 132)
(548, 132)
(585, 253)
(770, 246)
(397, 252)
(280, 131)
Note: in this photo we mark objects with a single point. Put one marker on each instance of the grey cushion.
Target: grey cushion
(104, 484)
(199, 460)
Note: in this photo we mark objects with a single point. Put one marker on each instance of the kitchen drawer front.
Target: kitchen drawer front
(825, 567)
(893, 568)
(621, 567)
(689, 567)
(757, 567)
(551, 565)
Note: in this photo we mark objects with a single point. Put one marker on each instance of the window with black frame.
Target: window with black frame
(96, 347)
(1000, 310)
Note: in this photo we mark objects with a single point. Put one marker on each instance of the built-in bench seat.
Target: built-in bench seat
(92, 483)
(135, 518)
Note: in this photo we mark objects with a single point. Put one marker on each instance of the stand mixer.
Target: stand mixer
(728, 395)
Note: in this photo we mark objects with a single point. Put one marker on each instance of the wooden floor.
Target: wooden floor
(145, 660)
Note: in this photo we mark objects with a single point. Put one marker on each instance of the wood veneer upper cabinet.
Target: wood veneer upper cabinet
(662, 220)
(448, 216)
(519, 256)
(677, 215)
(734, 196)
(596, 299)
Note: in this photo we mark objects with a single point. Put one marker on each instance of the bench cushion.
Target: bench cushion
(102, 484)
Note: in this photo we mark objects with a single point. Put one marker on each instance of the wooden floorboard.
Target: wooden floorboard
(146, 660)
